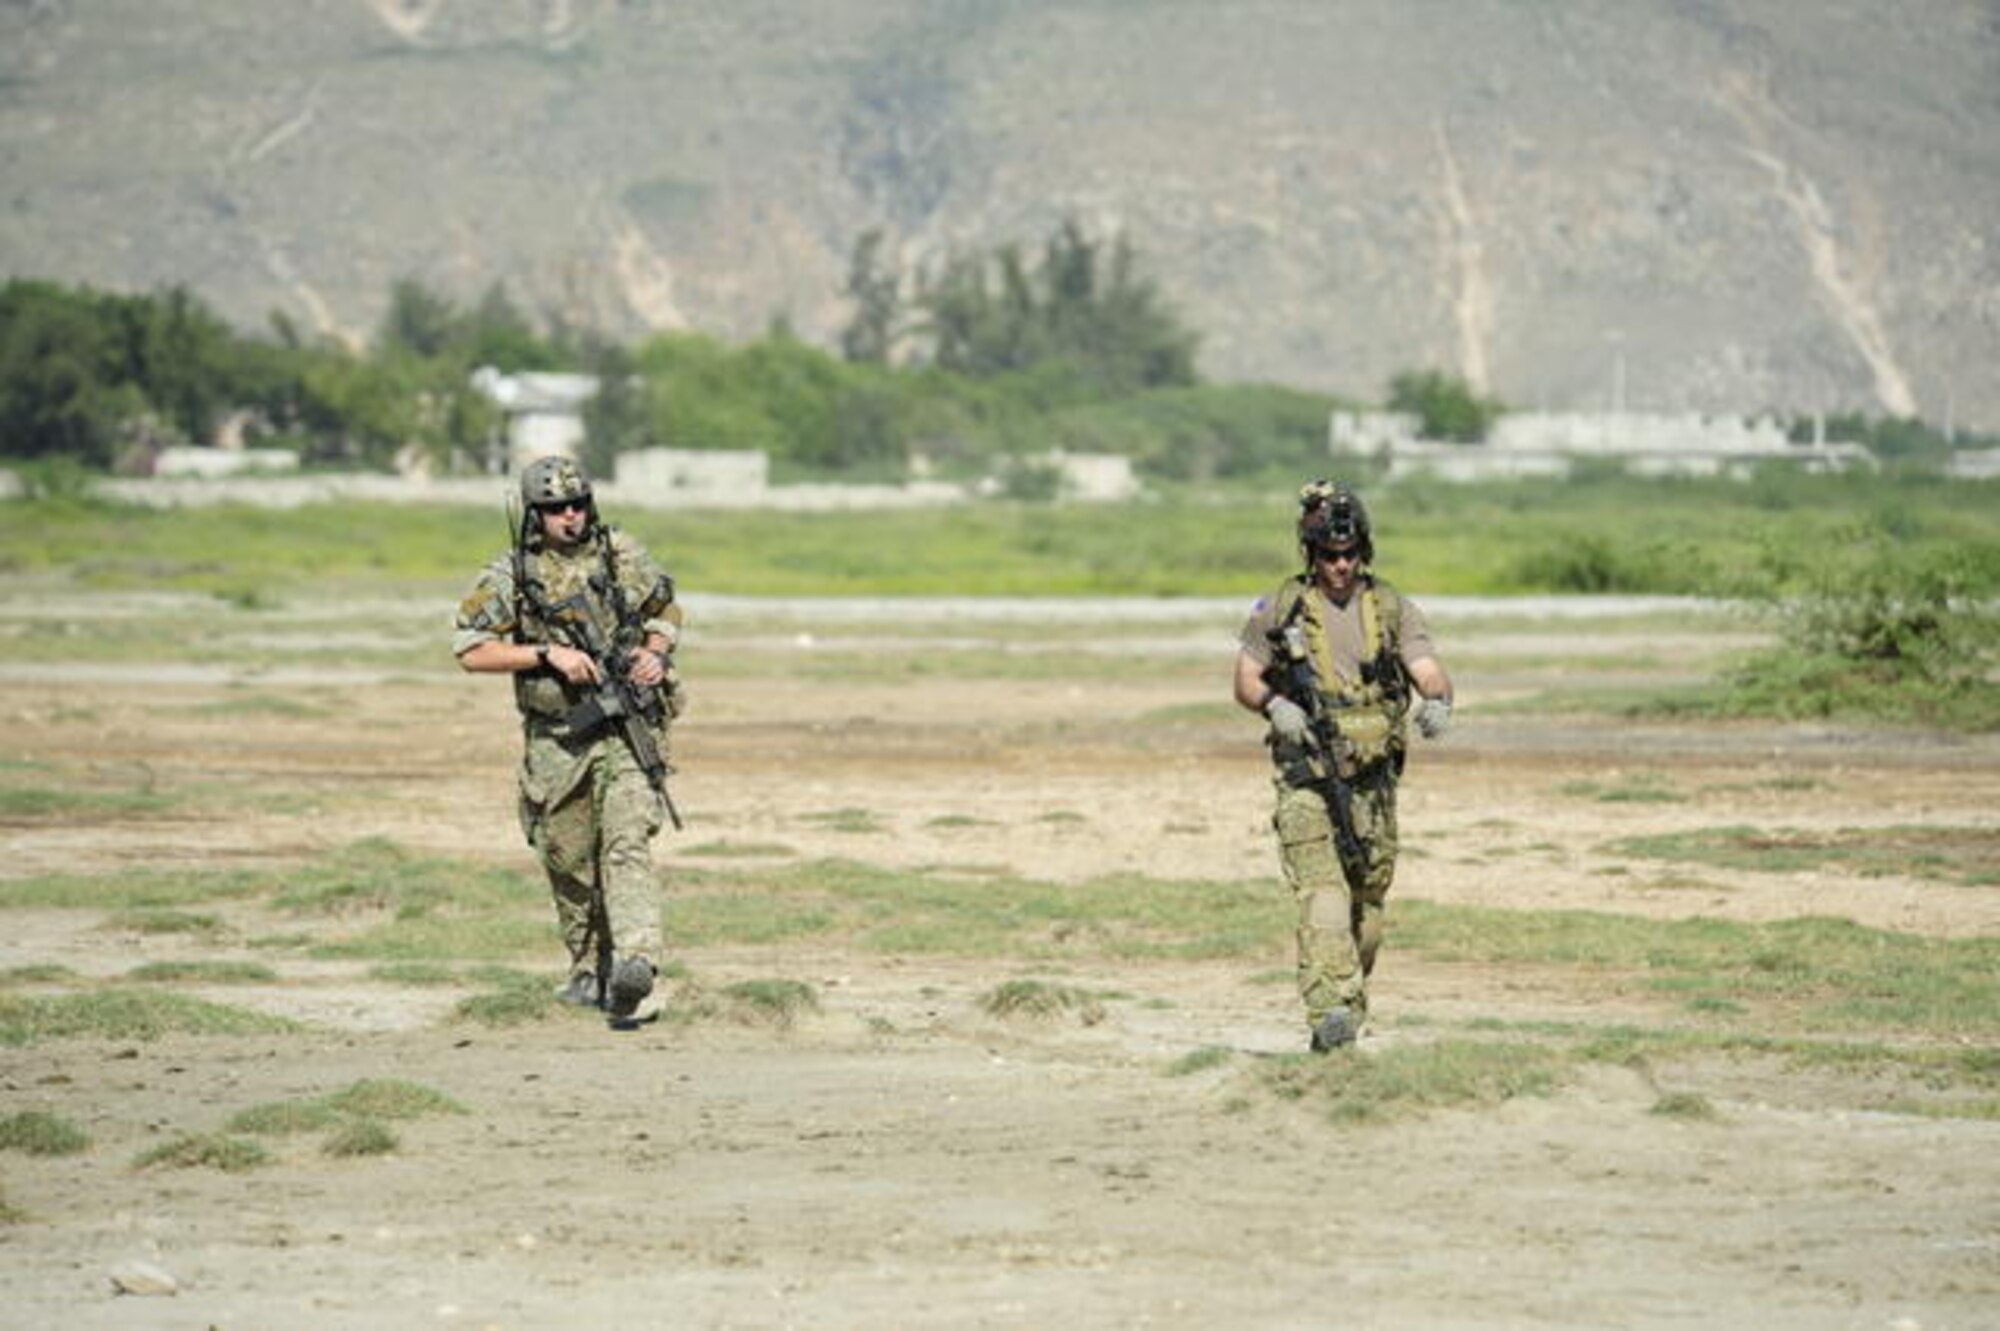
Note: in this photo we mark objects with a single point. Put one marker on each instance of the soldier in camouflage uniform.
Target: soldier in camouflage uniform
(588, 809)
(1374, 670)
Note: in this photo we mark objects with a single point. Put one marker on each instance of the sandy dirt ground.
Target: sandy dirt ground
(902, 1158)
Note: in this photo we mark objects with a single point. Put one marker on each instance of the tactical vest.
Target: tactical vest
(1369, 708)
(578, 580)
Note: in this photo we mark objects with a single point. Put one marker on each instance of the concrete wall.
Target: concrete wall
(224, 461)
(706, 470)
(1095, 477)
(1552, 443)
(1974, 464)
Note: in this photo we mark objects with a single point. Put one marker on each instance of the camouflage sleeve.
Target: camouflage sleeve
(648, 588)
(487, 612)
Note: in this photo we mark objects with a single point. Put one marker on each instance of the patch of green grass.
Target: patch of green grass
(163, 922)
(418, 974)
(1199, 1060)
(202, 972)
(772, 1002)
(735, 850)
(1042, 1000)
(524, 933)
(353, 1118)
(846, 820)
(392, 1099)
(41, 972)
(1406, 1082)
(1826, 970)
(281, 705)
(281, 942)
(375, 875)
(1968, 855)
(750, 917)
(33, 1132)
(1628, 788)
(1210, 539)
(1817, 970)
(1687, 1106)
(515, 999)
(22, 804)
(283, 1118)
(949, 914)
(1937, 1080)
(232, 1155)
(1783, 785)
(125, 1014)
(778, 1001)
(129, 890)
(425, 910)
(361, 1137)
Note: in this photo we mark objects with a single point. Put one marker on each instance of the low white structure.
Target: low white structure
(1974, 464)
(213, 462)
(1553, 443)
(1095, 477)
(709, 471)
(544, 411)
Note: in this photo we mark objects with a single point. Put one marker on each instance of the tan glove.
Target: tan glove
(1288, 720)
(1433, 717)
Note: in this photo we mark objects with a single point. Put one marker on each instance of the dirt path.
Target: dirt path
(901, 1158)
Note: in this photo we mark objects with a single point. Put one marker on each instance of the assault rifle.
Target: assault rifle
(1291, 674)
(616, 700)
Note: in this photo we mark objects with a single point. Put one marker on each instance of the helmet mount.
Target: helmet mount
(1332, 517)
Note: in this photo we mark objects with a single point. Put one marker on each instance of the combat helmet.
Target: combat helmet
(553, 480)
(1331, 515)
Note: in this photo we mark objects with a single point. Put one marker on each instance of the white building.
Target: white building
(1532, 443)
(544, 412)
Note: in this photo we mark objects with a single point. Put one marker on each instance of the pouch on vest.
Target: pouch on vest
(1368, 739)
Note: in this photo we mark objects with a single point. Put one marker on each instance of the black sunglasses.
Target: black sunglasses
(563, 506)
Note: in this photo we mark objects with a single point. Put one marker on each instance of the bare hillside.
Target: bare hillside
(1719, 204)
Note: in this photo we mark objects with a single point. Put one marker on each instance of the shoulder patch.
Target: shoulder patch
(485, 609)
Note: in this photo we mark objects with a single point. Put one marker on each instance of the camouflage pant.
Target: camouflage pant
(1340, 918)
(590, 815)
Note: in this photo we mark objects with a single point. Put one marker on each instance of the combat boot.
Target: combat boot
(581, 991)
(631, 981)
(1335, 1030)
(648, 1009)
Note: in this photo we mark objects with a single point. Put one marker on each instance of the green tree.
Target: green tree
(77, 368)
(1445, 405)
(870, 336)
(419, 321)
(1079, 307)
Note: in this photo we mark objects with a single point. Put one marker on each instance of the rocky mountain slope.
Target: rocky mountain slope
(1717, 205)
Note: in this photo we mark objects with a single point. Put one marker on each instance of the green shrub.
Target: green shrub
(1041, 999)
(36, 1133)
(361, 1137)
(1869, 631)
(232, 1155)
